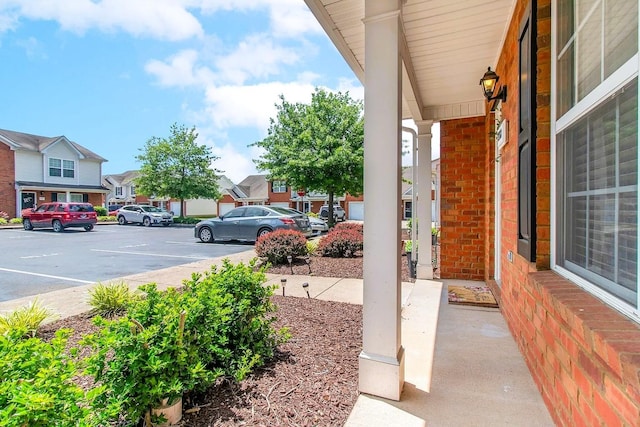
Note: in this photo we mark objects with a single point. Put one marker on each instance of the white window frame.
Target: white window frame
(56, 167)
(68, 165)
(76, 198)
(132, 190)
(118, 191)
(279, 186)
(610, 85)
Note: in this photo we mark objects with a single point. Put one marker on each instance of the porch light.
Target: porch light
(289, 260)
(488, 83)
(283, 283)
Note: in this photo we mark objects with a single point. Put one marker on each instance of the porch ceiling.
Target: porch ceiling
(447, 46)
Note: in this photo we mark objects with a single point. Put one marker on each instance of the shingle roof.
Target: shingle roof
(255, 187)
(29, 142)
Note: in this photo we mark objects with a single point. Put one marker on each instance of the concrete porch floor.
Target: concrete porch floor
(477, 376)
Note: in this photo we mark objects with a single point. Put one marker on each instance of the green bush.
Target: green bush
(341, 243)
(107, 219)
(15, 221)
(276, 246)
(3, 221)
(171, 342)
(101, 210)
(27, 318)
(185, 220)
(109, 300)
(312, 246)
(37, 387)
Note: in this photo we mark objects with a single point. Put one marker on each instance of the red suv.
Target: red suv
(60, 215)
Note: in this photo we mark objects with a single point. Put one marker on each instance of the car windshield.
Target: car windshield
(151, 209)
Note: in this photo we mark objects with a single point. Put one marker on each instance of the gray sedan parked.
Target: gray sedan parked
(250, 222)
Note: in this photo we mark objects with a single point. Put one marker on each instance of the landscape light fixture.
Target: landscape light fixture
(488, 83)
(283, 283)
(290, 260)
(305, 286)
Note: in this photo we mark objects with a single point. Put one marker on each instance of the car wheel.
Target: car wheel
(263, 231)
(205, 235)
(88, 227)
(121, 220)
(146, 221)
(26, 223)
(57, 226)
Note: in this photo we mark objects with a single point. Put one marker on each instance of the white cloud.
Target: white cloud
(180, 70)
(161, 19)
(255, 57)
(235, 165)
(252, 106)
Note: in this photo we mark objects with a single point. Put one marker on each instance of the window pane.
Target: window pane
(576, 149)
(565, 81)
(628, 167)
(628, 241)
(589, 54)
(55, 163)
(602, 148)
(576, 225)
(602, 226)
(565, 26)
(620, 33)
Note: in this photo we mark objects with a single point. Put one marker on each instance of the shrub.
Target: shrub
(312, 246)
(341, 243)
(355, 226)
(101, 210)
(37, 387)
(27, 319)
(185, 220)
(107, 219)
(109, 300)
(171, 342)
(15, 221)
(276, 246)
(3, 221)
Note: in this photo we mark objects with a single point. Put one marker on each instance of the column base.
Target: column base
(381, 376)
(424, 271)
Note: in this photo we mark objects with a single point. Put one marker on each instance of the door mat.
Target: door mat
(472, 295)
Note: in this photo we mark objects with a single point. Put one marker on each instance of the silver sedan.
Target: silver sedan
(248, 223)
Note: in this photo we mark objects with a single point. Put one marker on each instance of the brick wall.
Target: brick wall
(462, 210)
(7, 178)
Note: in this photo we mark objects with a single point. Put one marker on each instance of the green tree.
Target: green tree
(318, 146)
(177, 167)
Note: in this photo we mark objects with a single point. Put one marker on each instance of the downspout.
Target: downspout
(414, 180)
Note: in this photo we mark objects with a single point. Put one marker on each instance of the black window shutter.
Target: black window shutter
(85, 198)
(54, 197)
(527, 138)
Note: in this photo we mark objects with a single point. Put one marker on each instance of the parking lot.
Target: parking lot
(33, 262)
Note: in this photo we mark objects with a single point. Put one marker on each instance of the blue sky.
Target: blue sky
(110, 74)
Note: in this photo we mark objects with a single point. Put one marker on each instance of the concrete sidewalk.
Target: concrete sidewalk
(462, 367)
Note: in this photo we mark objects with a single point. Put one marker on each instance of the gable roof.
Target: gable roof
(253, 187)
(37, 143)
(121, 178)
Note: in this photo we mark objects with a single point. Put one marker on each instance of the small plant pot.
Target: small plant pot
(172, 412)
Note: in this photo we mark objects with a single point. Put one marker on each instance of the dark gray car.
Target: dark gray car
(247, 223)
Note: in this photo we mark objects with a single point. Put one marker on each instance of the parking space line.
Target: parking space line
(30, 273)
(150, 254)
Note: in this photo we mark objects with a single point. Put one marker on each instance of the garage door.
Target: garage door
(225, 207)
(280, 204)
(356, 210)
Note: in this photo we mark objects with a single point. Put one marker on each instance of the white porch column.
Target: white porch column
(381, 370)
(424, 269)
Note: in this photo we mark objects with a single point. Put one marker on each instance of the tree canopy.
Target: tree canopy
(177, 167)
(318, 146)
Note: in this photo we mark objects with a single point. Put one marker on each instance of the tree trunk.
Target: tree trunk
(330, 217)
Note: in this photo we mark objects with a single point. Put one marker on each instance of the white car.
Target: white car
(318, 226)
(144, 214)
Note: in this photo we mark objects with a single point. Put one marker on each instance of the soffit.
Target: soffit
(447, 46)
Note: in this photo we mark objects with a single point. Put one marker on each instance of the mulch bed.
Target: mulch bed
(313, 379)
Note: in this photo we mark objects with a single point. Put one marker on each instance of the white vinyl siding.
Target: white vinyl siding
(596, 148)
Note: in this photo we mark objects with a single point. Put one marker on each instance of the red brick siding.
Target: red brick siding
(278, 197)
(7, 181)
(583, 355)
(462, 238)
